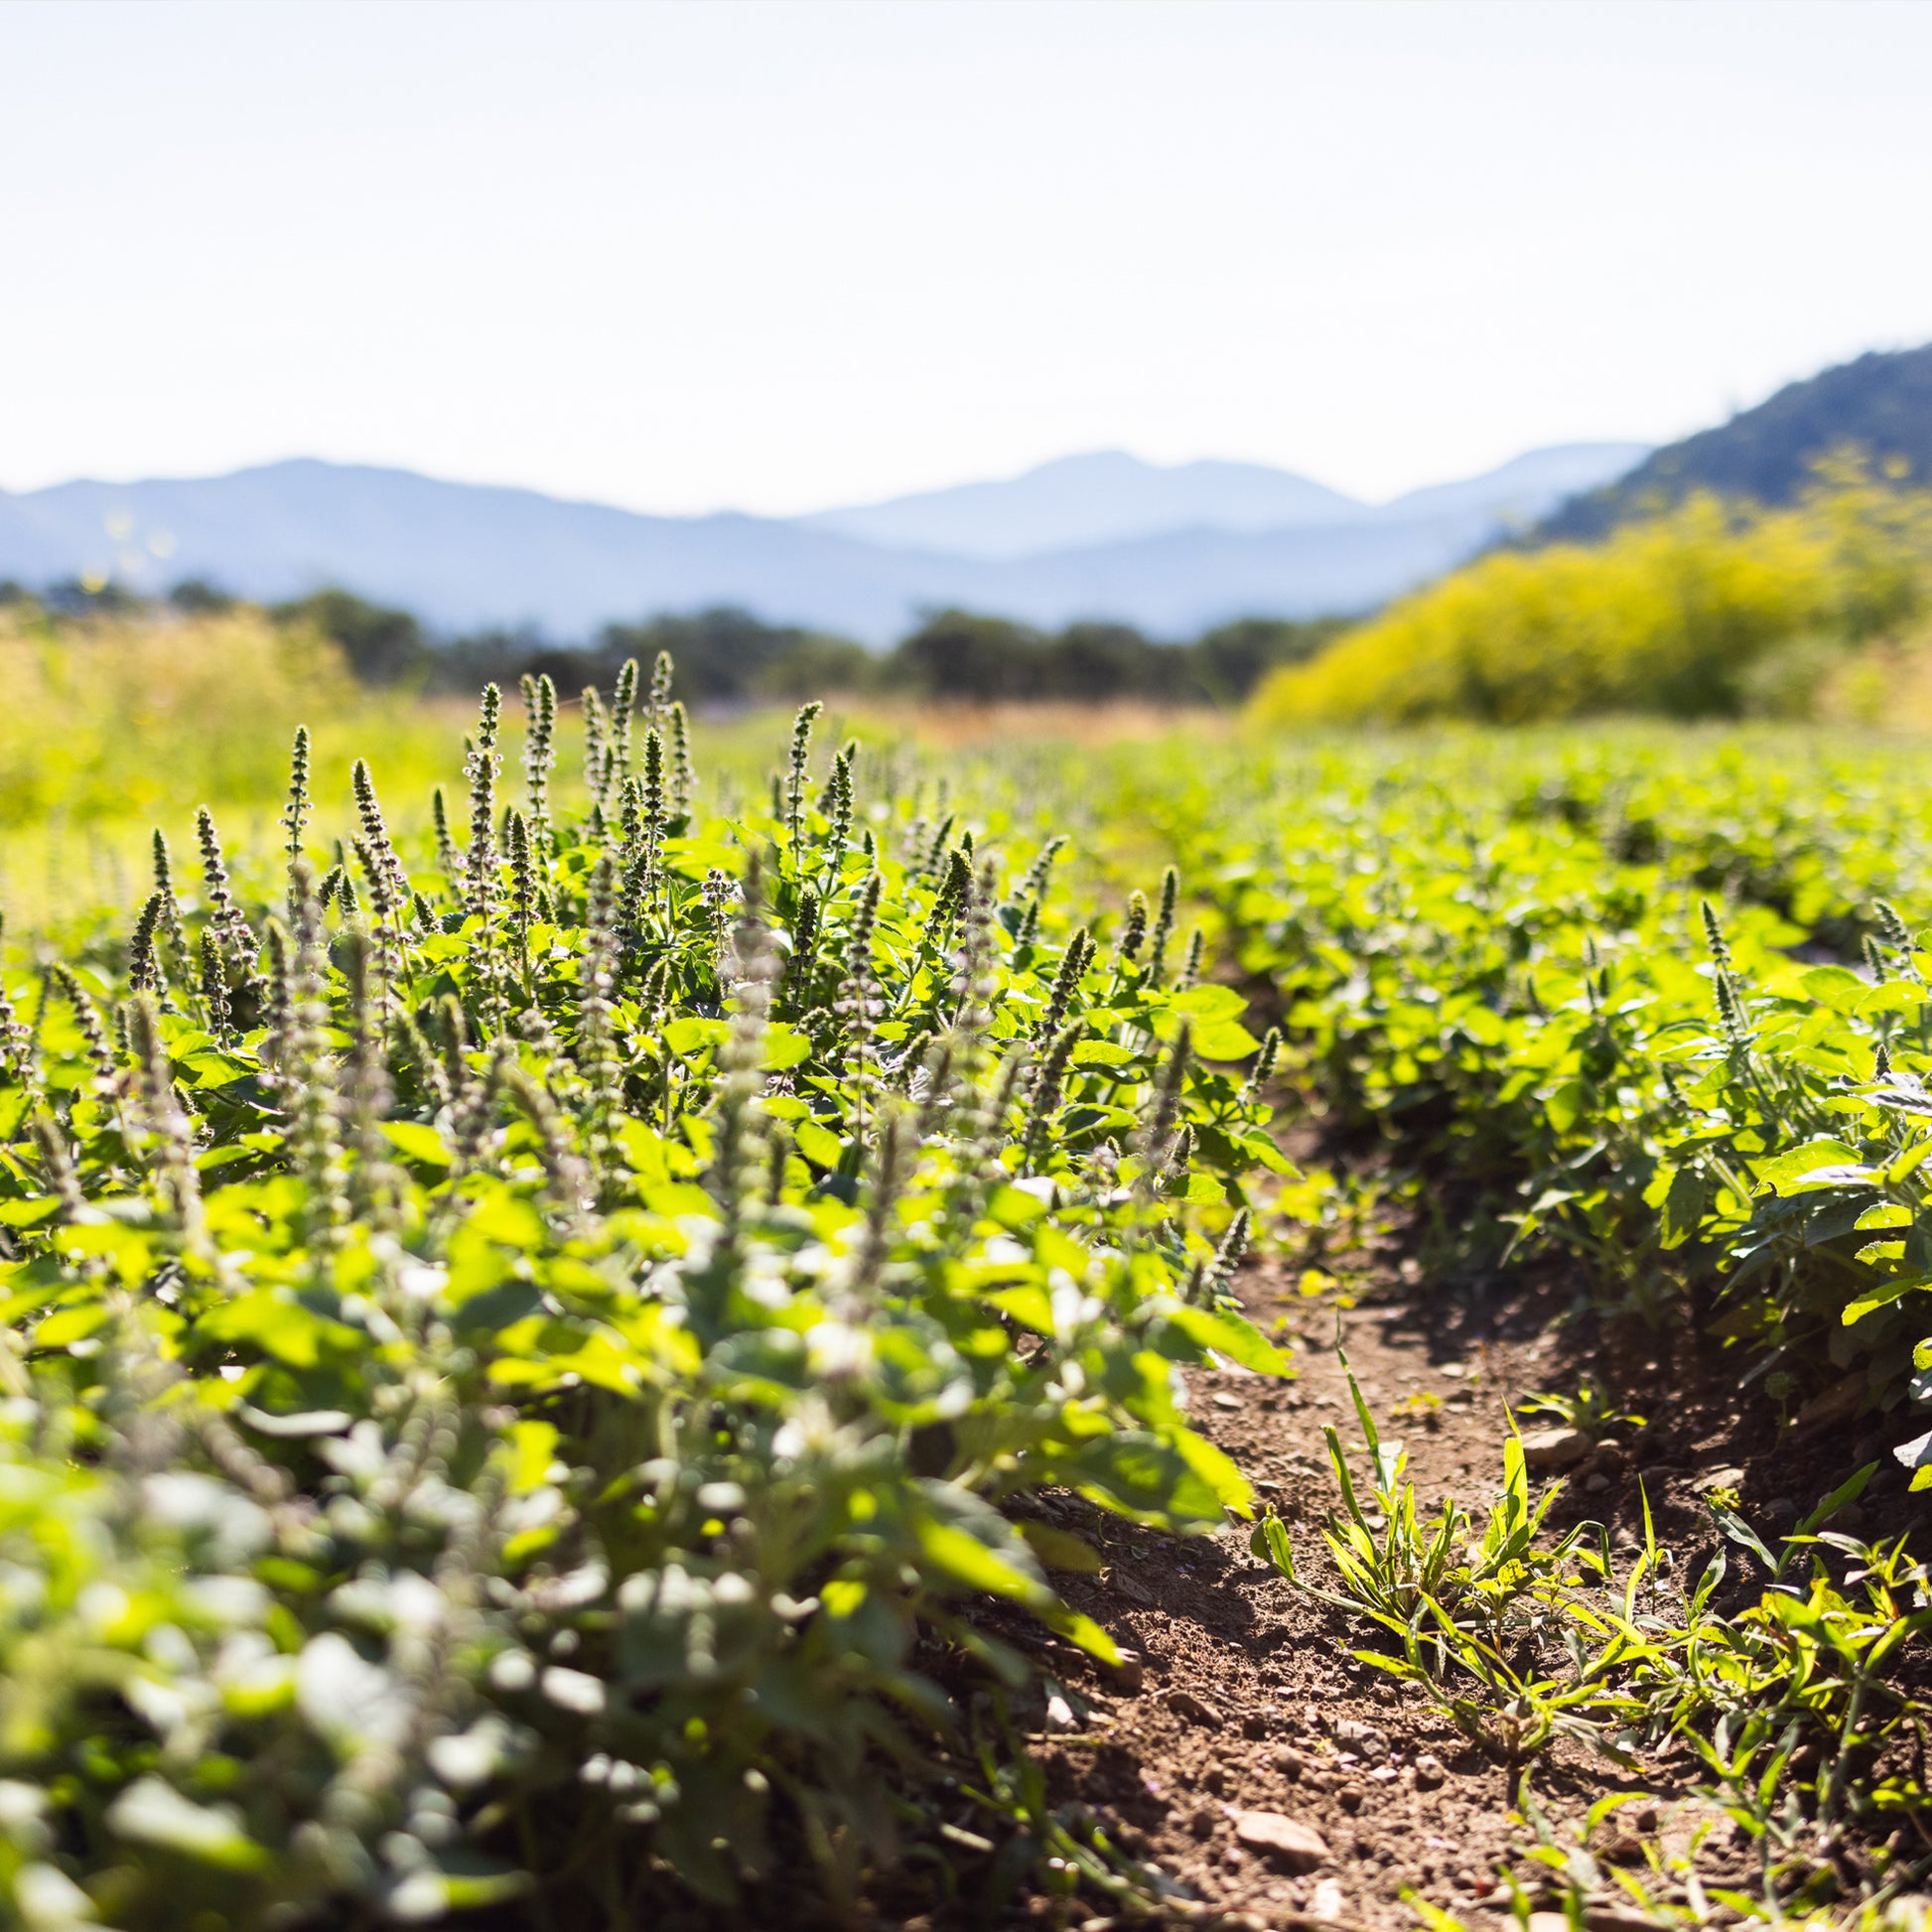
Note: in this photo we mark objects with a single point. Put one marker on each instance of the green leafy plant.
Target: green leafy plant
(517, 1351)
(1587, 1408)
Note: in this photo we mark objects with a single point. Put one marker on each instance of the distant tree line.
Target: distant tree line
(727, 656)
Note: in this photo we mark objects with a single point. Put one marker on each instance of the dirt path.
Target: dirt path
(1249, 1702)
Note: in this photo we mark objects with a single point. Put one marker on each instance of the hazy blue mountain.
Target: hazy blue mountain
(1239, 540)
(1080, 500)
(1524, 489)
(1178, 583)
(1880, 403)
(1110, 498)
(461, 556)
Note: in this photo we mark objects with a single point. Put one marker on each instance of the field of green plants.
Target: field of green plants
(527, 1336)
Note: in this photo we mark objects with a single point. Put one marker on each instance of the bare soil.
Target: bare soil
(1249, 1699)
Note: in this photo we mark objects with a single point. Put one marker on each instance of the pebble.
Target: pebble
(1430, 1771)
(1185, 1703)
(1222, 1400)
(1724, 1478)
(1555, 1449)
(1060, 1714)
(1363, 1738)
(1130, 1674)
(1291, 1763)
(1329, 1901)
(1294, 1846)
(1596, 1482)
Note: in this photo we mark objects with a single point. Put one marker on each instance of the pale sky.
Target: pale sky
(781, 256)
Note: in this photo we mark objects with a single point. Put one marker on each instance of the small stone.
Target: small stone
(1555, 1449)
(1727, 1477)
(1647, 1820)
(1623, 1848)
(1596, 1482)
(1222, 1400)
(1185, 1703)
(1285, 1841)
(1130, 1674)
(1350, 1797)
(1291, 1763)
(1256, 1724)
(1201, 1824)
(1363, 1740)
(1329, 1901)
(1060, 1714)
(1430, 1771)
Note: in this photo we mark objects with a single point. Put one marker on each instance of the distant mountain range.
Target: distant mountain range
(1170, 550)
(1881, 403)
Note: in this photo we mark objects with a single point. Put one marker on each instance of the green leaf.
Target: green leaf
(280, 1326)
(1205, 1004)
(1060, 1548)
(1568, 1105)
(1227, 1334)
(1102, 1052)
(1847, 1492)
(785, 1046)
(68, 1325)
(960, 1555)
(1225, 1039)
(1836, 987)
(1270, 1539)
(1882, 1296)
(1081, 1631)
(818, 1144)
(691, 1035)
(418, 1142)
(1786, 1171)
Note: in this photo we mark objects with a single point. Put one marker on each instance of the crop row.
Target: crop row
(1648, 1002)
(516, 1352)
